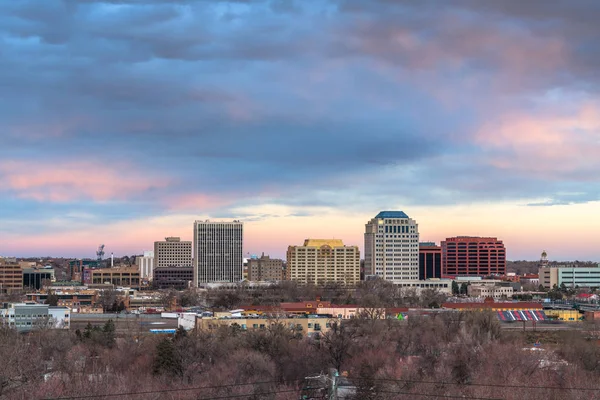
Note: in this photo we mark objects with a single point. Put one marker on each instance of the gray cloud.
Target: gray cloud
(303, 103)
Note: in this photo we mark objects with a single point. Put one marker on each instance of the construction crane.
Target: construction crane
(100, 252)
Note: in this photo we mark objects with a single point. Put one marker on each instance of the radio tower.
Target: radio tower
(100, 252)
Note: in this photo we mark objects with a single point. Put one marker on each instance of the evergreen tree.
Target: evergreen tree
(166, 360)
(455, 289)
(108, 333)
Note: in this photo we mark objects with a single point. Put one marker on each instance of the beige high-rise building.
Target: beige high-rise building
(320, 261)
(392, 246)
(172, 252)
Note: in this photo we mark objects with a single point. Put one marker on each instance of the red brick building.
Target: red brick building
(473, 256)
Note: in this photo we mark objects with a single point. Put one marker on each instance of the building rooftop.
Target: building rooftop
(323, 242)
(391, 214)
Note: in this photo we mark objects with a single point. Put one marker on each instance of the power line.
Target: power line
(441, 396)
(479, 384)
(252, 394)
(95, 396)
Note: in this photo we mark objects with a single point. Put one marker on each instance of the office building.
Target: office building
(265, 268)
(172, 252)
(571, 277)
(36, 278)
(173, 277)
(319, 261)
(218, 251)
(430, 261)
(11, 275)
(392, 246)
(473, 256)
(117, 276)
(146, 265)
(76, 267)
(25, 317)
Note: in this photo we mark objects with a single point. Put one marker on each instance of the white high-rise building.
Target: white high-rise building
(218, 251)
(392, 246)
(146, 265)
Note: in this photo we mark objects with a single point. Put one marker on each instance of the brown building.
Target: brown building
(265, 268)
(11, 275)
(473, 256)
(119, 276)
(430, 261)
(173, 277)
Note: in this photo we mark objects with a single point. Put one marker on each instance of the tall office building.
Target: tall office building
(172, 252)
(146, 265)
(473, 256)
(392, 246)
(218, 251)
(320, 261)
(430, 261)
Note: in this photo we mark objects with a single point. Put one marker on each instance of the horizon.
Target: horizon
(124, 123)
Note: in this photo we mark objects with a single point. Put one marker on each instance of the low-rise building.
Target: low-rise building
(36, 278)
(570, 276)
(25, 317)
(71, 297)
(495, 292)
(117, 276)
(441, 285)
(307, 326)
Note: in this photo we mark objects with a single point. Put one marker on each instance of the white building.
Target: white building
(392, 246)
(496, 292)
(146, 265)
(440, 285)
(218, 251)
(25, 317)
(172, 252)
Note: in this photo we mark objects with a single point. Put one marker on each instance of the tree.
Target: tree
(108, 298)
(189, 298)
(464, 288)
(167, 298)
(108, 333)
(455, 288)
(52, 299)
(337, 344)
(166, 360)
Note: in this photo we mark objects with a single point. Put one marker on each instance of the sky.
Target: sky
(123, 121)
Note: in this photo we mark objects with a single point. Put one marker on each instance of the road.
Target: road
(541, 326)
(124, 323)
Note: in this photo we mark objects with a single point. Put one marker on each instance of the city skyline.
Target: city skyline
(124, 123)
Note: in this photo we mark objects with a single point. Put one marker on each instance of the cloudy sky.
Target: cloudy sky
(121, 122)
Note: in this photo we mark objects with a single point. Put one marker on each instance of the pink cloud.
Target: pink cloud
(550, 143)
(75, 180)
